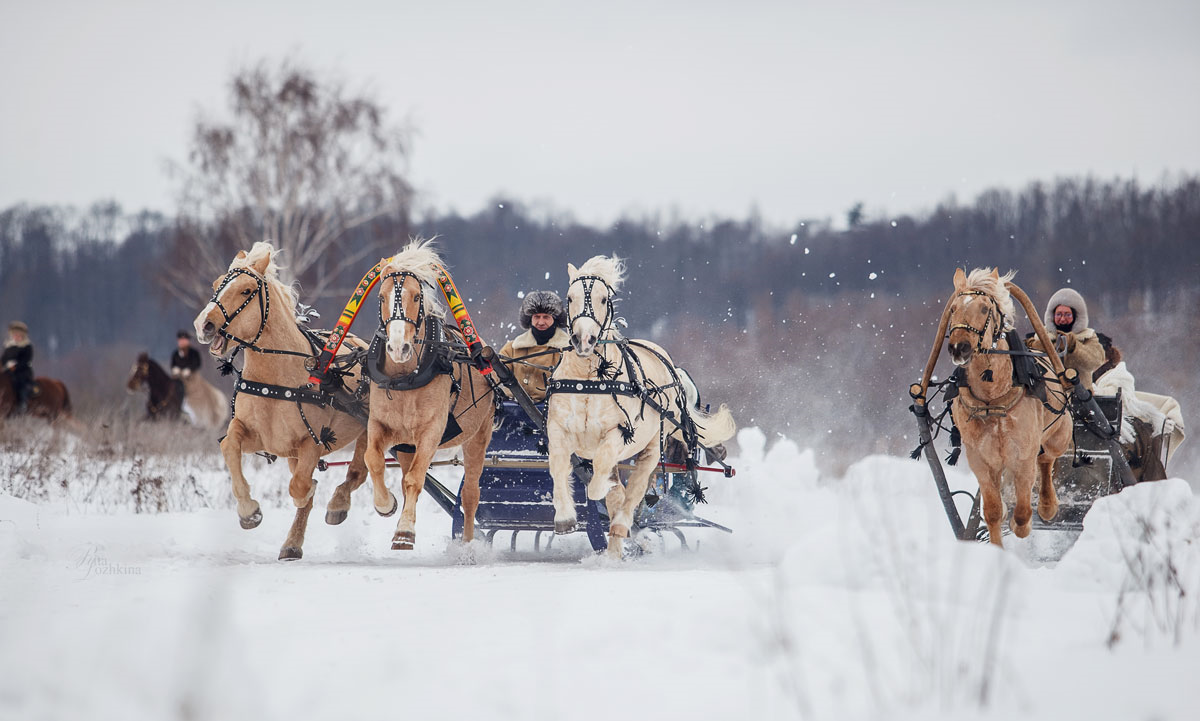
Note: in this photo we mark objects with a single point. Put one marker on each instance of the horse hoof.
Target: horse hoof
(617, 530)
(252, 520)
(1049, 513)
(291, 553)
(562, 528)
(395, 505)
(333, 518)
(403, 540)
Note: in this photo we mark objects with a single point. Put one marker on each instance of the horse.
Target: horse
(425, 399)
(607, 400)
(49, 400)
(274, 411)
(165, 399)
(1008, 434)
(208, 403)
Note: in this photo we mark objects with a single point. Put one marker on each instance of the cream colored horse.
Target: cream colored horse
(605, 427)
(252, 309)
(417, 416)
(208, 403)
(1009, 436)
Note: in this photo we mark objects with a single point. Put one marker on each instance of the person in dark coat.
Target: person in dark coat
(18, 361)
(186, 359)
(545, 318)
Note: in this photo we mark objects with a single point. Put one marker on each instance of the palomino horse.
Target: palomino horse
(165, 393)
(1009, 435)
(421, 396)
(273, 410)
(50, 399)
(606, 403)
(208, 403)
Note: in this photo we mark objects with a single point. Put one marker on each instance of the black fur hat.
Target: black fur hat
(543, 301)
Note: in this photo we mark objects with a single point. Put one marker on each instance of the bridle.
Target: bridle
(589, 309)
(264, 306)
(994, 314)
(398, 313)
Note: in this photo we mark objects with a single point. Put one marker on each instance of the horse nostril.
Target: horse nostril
(574, 339)
(591, 340)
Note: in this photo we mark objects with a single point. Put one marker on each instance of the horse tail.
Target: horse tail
(714, 428)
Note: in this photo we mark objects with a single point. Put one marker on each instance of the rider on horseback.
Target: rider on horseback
(18, 361)
(186, 359)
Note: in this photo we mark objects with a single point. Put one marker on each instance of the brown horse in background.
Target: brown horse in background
(49, 400)
(165, 400)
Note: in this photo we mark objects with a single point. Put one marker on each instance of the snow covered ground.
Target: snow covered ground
(834, 598)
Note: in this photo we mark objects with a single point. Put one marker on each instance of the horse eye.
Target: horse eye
(247, 291)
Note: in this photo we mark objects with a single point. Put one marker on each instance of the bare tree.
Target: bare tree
(302, 161)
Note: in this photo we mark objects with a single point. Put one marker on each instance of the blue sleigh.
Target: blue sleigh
(516, 490)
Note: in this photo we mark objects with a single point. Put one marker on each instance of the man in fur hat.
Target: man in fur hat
(545, 318)
(18, 361)
(1067, 313)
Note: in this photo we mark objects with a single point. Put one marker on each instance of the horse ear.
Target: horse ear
(241, 255)
(996, 273)
(960, 278)
(260, 265)
(572, 271)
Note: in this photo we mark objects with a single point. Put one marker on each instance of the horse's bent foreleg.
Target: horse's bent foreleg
(602, 478)
(356, 474)
(565, 520)
(635, 488)
(249, 513)
(385, 502)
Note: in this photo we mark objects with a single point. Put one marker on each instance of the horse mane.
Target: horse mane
(263, 249)
(419, 257)
(610, 268)
(981, 279)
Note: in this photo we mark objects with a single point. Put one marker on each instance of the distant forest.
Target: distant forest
(734, 299)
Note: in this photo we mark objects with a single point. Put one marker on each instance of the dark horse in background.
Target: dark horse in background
(49, 400)
(166, 393)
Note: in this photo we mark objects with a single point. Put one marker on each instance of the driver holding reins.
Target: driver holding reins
(1067, 313)
(545, 318)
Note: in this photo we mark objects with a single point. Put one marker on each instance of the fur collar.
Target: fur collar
(525, 341)
(1071, 298)
(15, 344)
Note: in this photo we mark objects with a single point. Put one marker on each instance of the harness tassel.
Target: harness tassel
(328, 438)
(226, 368)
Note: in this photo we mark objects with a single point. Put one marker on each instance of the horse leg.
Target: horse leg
(993, 504)
(565, 520)
(385, 502)
(635, 489)
(1047, 493)
(614, 501)
(302, 489)
(356, 473)
(1023, 477)
(602, 467)
(474, 453)
(413, 481)
(249, 513)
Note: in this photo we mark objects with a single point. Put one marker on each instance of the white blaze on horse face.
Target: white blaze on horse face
(201, 320)
(399, 333)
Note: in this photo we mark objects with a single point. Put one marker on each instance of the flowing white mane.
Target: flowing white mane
(610, 268)
(419, 258)
(981, 279)
(260, 250)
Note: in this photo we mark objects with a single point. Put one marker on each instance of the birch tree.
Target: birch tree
(300, 161)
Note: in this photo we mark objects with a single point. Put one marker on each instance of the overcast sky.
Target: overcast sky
(599, 108)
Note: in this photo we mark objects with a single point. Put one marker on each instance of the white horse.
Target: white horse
(600, 414)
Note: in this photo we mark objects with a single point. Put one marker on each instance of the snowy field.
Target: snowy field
(834, 598)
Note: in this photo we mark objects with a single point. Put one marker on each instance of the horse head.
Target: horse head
(240, 307)
(979, 313)
(591, 303)
(140, 373)
(402, 303)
